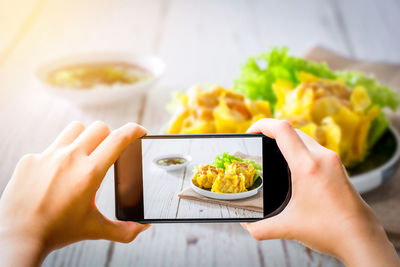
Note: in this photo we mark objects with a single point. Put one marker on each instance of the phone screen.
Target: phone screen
(233, 177)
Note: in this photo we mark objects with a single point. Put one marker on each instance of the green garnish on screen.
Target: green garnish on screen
(225, 157)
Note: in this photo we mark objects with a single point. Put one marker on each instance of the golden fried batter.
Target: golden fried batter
(230, 182)
(336, 116)
(236, 177)
(216, 110)
(247, 170)
(205, 175)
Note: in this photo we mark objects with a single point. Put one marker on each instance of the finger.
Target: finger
(67, 136)
(109, 150)
(309, 141)
(270, 228)
(289, 142)
(92, 137)
(122, 231)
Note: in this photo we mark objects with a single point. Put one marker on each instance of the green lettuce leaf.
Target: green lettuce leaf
(220, 160)
(378, 128)
(260, 72)
(380, 95)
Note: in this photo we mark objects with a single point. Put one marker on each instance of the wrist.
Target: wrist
(19, 249)
(367, 245)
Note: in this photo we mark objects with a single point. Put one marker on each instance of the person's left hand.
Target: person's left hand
(49, 201)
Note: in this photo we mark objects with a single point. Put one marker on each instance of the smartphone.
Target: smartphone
(201, 178)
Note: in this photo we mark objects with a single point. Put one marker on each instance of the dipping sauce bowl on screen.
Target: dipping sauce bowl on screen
(100, 78)
(172, 162)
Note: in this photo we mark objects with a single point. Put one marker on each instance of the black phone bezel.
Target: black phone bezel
(203, 220)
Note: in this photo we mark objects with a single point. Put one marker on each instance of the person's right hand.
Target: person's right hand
(324, 212)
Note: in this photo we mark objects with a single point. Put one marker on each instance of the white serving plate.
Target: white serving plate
(370, 180)
(172, 167)
(227, 196)
(101, 95)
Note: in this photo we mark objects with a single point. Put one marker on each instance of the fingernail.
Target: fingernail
(245, 225)
(146, 226)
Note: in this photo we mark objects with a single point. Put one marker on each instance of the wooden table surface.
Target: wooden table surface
(201, 42)
(161, 188)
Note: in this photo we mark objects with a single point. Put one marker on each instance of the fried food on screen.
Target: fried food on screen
(205, 175)
(242, 168)
(232, 174)
(232, 181)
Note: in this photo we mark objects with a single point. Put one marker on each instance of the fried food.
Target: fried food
(216, 110)
(236, 178)
(205, 176)
(230, 182)
(242, 168)
(337, 116)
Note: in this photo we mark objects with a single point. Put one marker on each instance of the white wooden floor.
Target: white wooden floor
(201, 42)
(161, 188)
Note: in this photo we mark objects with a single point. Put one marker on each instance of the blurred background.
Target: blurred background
(201, 42)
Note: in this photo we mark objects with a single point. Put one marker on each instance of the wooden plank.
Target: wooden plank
(68, 28)
(372, 28)
(160, 188)
(16, 20)
(298, 25)
(32, 111)
(189, 245)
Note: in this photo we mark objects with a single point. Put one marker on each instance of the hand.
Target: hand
(325, 212)
(49, 201)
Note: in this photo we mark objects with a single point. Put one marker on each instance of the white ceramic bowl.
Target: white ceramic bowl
(227, 196)
(101, 95)
(370, 180)
(172, 167)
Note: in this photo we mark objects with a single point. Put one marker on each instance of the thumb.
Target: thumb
(122, 231)
(270, 228)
